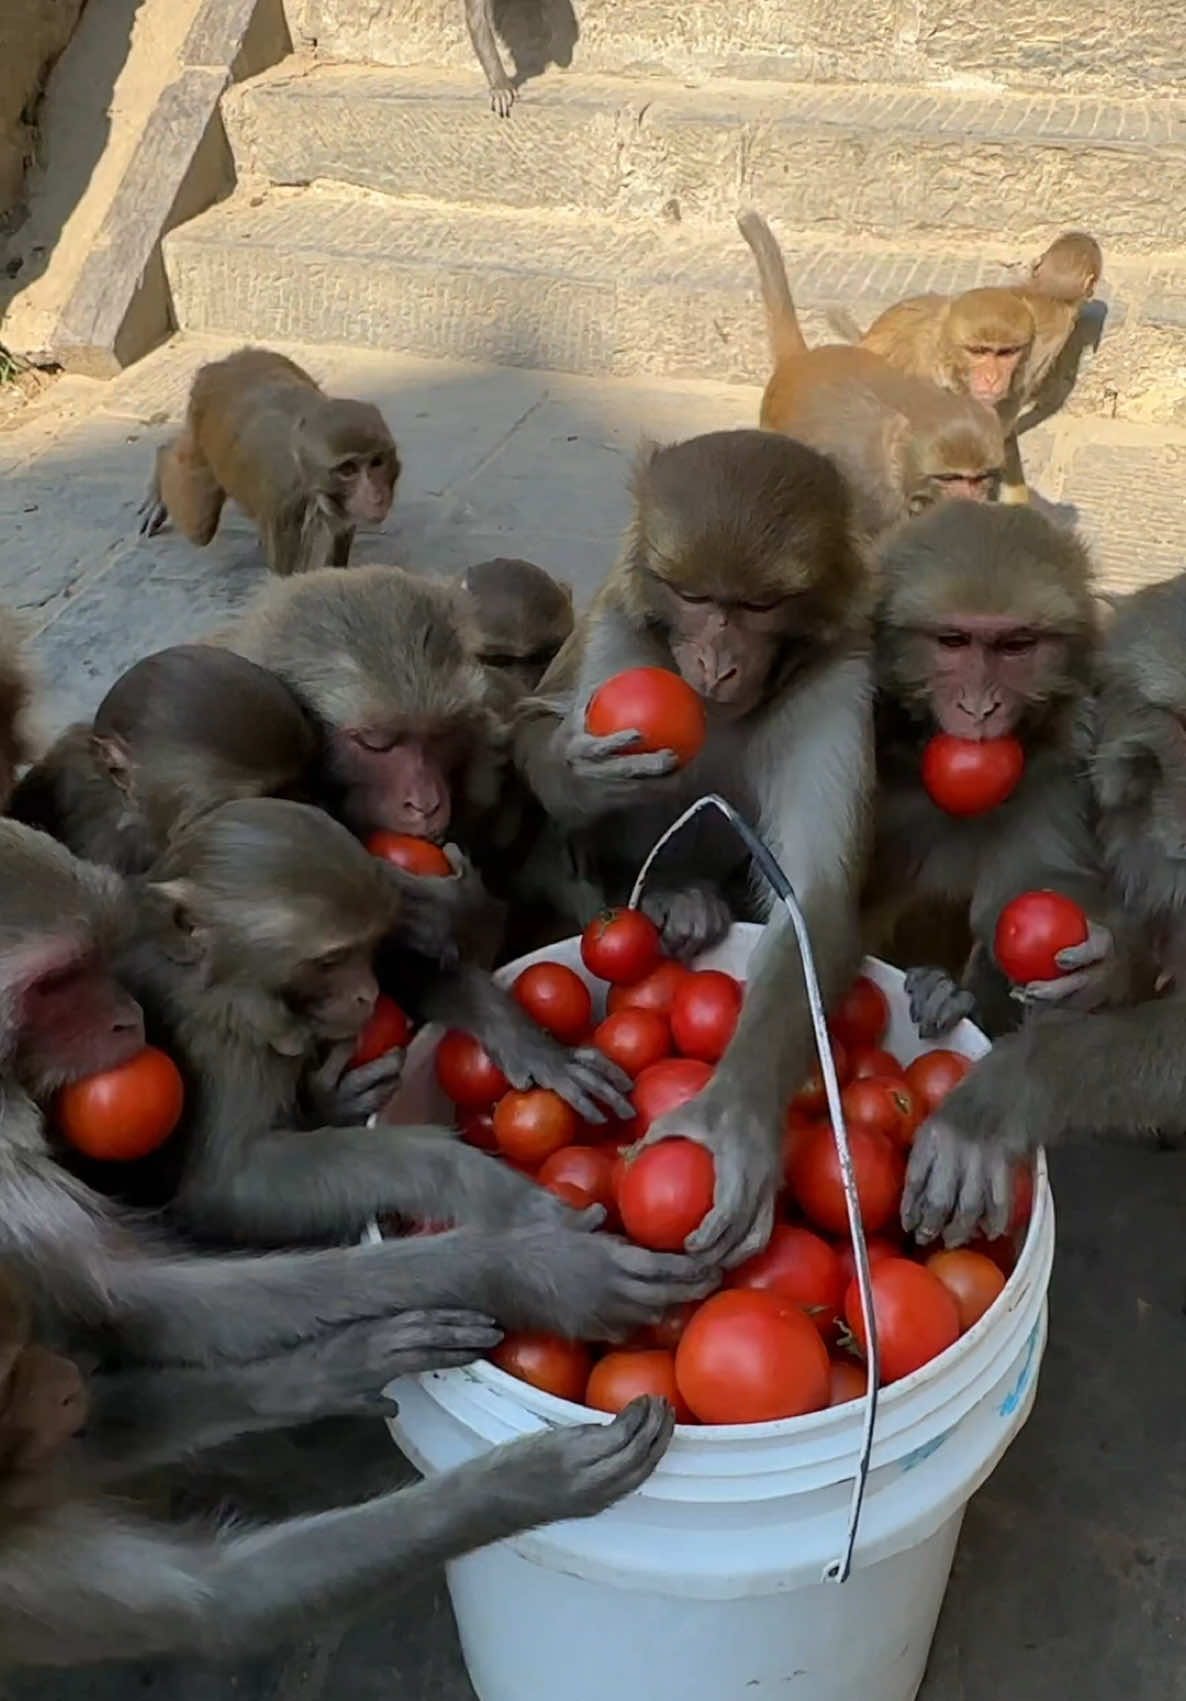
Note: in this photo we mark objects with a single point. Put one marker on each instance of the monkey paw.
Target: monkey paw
(956, 1185)
(579, 1471)
(501, 100)
(1086, 981)
(341, 1097)
(937, 1002)
(748, 1175)
(691, 918)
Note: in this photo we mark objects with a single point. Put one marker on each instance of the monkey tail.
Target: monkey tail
(782, 322)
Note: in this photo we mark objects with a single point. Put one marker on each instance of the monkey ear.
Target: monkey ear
(183, 938)
(114, 757)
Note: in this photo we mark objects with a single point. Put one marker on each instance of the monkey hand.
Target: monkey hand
(578, 1471)
(588, 1286)
(342, 1097)
(937, 1002)
(343, 1372)
(690, 918)
(1088, 978)
(585, 1078)
(957, 1183)
(605, 774)
(439, 913)
(748, 1160)
(152, 510)
(502, 98)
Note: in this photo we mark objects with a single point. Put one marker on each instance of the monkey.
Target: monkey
(902, 442)
(479, 21)
(180, 732)
(1114, 1069)
(520, 616)
(306, 467)
(996, 344)
(986, 626)
(14, 704)
(89, 1572)
(416, 741)
(741, 572)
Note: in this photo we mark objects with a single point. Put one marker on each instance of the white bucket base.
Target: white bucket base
(801, 1643)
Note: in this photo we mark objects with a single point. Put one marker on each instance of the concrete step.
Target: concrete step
(580, 292)
(880, 160)
(1113, 45)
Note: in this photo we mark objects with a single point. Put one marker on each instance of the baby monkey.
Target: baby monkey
(306, 467)
(519, 617)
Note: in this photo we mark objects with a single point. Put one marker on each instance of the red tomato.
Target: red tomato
(653, 992)
(387, 1028)
(657, 704)
(878, 1248)
(467, 1072)
(704, 1013)
(862, 1016)
(848, 1380)
(557, 998)
(868, 1060)
(621, 946)
(888, 1106)
(799, 1124)
(1031, 930)
(811, 1097)
(669, 1330)
(414, 856)
(917, 1318)
(1002, 1251)
(878, 1165)
(802, 1268)
(666, 1086)
(477, 1129)
(972, 1280)
(933, 1075)
(125, 1112)
(622, 1376)
(749, 1357)
(634, 1039)
(531, 1125)
(586, 1171)
(969, 776)
(549, 1362)
(666, 1192)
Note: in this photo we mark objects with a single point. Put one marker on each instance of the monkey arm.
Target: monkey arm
(1116, 1072)
(481, 35)
(811, 768)
(85, 1581)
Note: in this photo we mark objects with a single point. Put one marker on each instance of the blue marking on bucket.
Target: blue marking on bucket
(925, 1451)
(1013, 1398)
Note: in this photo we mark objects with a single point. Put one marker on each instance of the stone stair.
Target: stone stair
(381, 204)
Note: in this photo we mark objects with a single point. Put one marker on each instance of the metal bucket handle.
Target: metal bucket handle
(841, 1568)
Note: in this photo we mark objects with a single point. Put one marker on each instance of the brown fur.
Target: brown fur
(14, 703)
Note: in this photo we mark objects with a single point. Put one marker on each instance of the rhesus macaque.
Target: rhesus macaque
(1108, 1071)
(225, 1345)
(519, 618)
(996, 344)
(177, 734)
(479, 21)
(740, 572)
(986, 626)
(901, 442)
(306, 467)
(416, 741)
(14, 702)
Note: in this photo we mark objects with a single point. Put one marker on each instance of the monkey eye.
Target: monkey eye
(332, 959)
(952, 640)
(760, 607)
(1021, 645)
(376, 742)
(377, 462)
(346, 469)
(686, 596)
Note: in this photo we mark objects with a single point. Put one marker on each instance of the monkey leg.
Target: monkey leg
(339, 555)
(298, 541)
(481, 34)
(184, 490)
(1013, 486)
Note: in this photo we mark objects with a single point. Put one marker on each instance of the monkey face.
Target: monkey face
(983, 671)
(365, 489)
(349, 458)
(989, 372)
(75, 1021)
(334, 992)
(393, 782)
(986, 339)
(725, 651)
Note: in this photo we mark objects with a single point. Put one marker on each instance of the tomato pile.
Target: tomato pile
(784, 1336)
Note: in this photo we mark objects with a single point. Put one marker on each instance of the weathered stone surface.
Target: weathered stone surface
(32, 34)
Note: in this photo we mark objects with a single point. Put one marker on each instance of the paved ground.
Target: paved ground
(1071, 1577)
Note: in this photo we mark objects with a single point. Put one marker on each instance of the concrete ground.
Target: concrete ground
(1071, 1576)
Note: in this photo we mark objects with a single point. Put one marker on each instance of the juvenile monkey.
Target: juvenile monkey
(986, 626)
(519, 617)
(14, 702)
(902, 442)
(1112, 1071)
(306, 467)
(479, 21)
(739, 572)
(998, 344)
(177, 734)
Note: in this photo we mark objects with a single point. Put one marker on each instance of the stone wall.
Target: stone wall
(32, 34)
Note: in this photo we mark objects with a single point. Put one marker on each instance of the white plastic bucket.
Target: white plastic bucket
(707, 1583)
